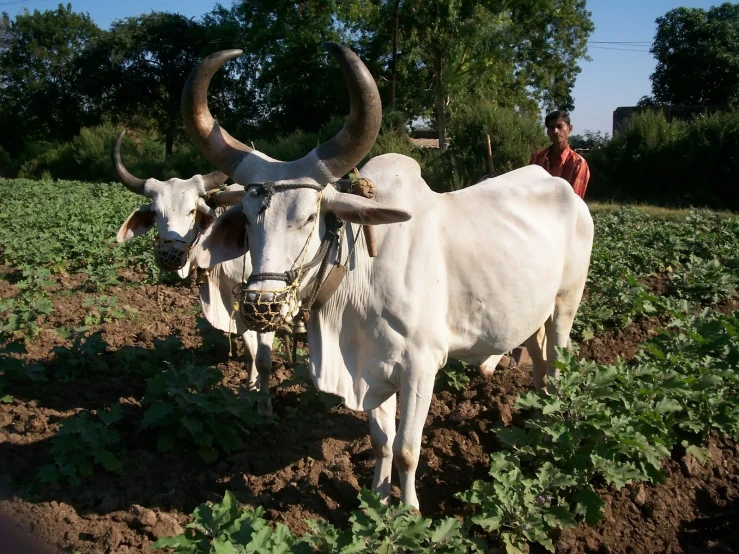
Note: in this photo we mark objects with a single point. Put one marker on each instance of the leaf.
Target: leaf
(699, 453)
(109, 461)
(446, 529)
(166, 442)
(221, 547)
(488, 522)
(179, 541)
(589, 505)
(667, 405)
(156, 413)
(208, 454)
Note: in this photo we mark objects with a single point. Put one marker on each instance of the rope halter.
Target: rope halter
(269, 310)
(174, 259)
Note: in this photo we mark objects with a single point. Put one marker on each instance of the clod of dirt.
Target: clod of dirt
(108, 504)
(166, 526)
(144, 517)
(690, 466)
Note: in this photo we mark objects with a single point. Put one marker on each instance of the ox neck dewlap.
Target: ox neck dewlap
(269, 310)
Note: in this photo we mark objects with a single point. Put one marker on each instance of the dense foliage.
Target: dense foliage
(678, 163)
(60, 72)
(703, 44)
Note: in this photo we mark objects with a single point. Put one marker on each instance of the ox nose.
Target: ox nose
(259, 296)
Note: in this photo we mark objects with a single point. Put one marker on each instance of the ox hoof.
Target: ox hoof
(486, 370)
(264, 408)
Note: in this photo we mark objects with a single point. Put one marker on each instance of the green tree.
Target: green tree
(697, 55)
(40, 84)
(449, 51)
(286, 79)
(139, 67)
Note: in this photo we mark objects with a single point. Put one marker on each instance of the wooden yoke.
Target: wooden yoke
(364, 187)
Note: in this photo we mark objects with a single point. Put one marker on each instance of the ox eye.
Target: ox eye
(311, 219)
(192, 212)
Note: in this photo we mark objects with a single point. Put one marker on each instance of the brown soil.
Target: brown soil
(308, 462)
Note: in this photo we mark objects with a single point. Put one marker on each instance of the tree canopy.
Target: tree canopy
(39, 78)
(697, 55)
(59, 71)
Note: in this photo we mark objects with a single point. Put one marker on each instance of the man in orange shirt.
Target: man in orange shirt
(559, 159)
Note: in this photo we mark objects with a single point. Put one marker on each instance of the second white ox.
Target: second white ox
(179, 213)
(442, 284)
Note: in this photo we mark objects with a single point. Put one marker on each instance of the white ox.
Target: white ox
(180, 214)
(473, 274)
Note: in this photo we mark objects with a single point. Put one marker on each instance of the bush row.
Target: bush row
(673, 163)
(87, 157)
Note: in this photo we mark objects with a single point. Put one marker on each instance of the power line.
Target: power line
(16, 2)
(620, 42)
(621, 49)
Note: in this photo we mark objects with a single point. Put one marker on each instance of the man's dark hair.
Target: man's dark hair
(557, 115)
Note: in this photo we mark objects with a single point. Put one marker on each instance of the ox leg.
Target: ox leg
(264, 369)
(382, 435)
(250, 358)
(415, 399)
(537, 348)
(559, 327)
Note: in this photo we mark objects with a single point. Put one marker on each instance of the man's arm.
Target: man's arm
(581, 178)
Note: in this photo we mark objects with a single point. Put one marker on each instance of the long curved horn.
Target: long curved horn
(134, 184)
(218, 147)
(347, 148)
(214, 180)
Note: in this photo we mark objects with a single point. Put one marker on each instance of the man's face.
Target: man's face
(559, 131)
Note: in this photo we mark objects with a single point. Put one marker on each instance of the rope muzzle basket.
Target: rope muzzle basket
(265, 311)
(168, 258)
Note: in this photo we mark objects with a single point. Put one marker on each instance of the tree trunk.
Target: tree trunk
(395, 54)
(169, 144)
(440, 102)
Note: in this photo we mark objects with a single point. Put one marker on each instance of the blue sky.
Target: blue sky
(618, 74)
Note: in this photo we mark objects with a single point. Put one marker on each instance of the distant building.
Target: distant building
(621, 116)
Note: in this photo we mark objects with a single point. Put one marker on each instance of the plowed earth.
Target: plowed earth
(311, 461)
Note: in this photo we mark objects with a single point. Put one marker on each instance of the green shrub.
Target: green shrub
(514, 136)
(673, 163)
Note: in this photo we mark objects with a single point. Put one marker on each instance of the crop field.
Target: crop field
(124, 421)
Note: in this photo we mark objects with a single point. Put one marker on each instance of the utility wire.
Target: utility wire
(621, 49)
(16, 2)
(636, 42)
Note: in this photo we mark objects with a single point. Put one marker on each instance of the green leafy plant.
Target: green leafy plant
(610, 425)
(83, 358)
(375, 528)
(520, 508)
(225, 527)
(105, 309)
(21, 314)
(187, 404)
(82, 444)
(453, 375)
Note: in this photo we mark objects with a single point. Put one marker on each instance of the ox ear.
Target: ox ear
(204, 216)
(224, 240)
(357, 209)
(139, 222)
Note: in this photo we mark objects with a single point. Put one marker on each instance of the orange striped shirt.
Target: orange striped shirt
(569, 165)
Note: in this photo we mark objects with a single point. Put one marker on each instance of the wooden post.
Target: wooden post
(369, 233)
(491, 169)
